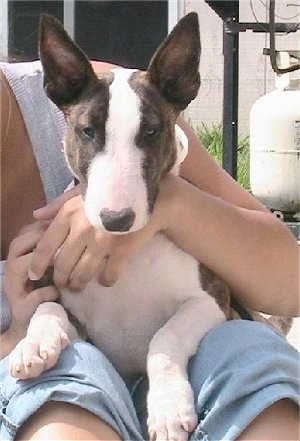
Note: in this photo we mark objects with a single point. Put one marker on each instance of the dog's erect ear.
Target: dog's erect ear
(67, 71)
(174, 68)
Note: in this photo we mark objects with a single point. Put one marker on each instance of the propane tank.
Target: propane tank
(275, 147)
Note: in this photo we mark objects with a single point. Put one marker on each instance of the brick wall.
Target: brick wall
(256, 74)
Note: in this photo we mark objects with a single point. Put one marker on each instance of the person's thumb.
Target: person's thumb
(45, 294)
(50, 210)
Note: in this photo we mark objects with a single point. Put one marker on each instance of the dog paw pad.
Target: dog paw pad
(171, 413)
(32, 357)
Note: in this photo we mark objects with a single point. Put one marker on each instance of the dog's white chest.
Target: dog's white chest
(122, 320)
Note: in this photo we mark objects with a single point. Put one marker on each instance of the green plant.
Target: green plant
(212, 138)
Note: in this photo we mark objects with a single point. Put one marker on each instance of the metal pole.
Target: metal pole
(230, 94)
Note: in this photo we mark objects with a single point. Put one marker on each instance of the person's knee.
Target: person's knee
(279, 421)
(240, 369)
(59, 421)
(239, 343)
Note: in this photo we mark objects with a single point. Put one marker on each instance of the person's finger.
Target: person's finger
(87, 267)
(50, 210)
(36, 225)
(65, 261)
(41, 295)
(47, 246)
(26, 242)
(79, 237)
(113, 268)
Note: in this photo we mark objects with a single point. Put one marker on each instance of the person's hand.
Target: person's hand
(49, 211)
(85, 251)
(21, 294)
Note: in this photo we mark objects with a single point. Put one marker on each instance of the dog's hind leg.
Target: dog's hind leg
(171, 411)
(48, 334)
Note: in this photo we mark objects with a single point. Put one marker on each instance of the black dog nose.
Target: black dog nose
(117, 220)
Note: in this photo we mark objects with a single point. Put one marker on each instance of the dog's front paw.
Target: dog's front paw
(34, 355)
(171, 410)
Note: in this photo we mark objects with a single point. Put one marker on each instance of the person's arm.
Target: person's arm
(102, 66)
(205, 173)
(250, 249)
(233, 233)
(21, 185)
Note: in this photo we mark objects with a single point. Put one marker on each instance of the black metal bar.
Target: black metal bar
(224, 8)
(262, 27)
(230, 97)
(273, 57)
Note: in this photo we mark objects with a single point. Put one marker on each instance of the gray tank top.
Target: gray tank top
(45, 125)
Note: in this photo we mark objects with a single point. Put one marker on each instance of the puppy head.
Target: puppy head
(120, 137)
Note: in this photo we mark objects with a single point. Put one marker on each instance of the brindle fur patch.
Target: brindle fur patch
(217, 288)
(80, 328)
(91, 111)
(160, 147)
(221, 292)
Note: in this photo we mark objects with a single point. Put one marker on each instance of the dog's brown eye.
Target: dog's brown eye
(149, 130)
(89, 132)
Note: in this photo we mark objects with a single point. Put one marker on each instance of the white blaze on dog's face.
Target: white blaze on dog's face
(120, 137)
(120, 141)
(115, 181)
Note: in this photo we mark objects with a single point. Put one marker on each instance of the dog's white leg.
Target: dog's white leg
(171, 411)
(48, 334)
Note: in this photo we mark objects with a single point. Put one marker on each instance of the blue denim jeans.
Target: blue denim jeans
(240, 368)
